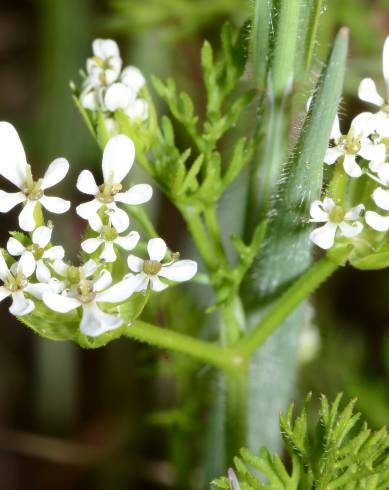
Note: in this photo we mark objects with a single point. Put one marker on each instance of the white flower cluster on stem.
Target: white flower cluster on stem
(362, 151)
(108, 88)
(42, 274)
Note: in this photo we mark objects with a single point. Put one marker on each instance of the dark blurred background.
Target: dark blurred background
(123, 417)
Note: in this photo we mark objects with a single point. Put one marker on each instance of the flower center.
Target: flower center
(109, 234)
(336, 215)
(36, 251)
(15, 283)
(73, 275)
(85, 291)
(151, 267)
(32, 190)
(350, 144)
(108, 191)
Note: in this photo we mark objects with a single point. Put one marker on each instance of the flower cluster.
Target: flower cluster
(41, 274)
(108, 88)
(361, 153)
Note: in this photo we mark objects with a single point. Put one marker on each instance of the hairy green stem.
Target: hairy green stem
(201, 350)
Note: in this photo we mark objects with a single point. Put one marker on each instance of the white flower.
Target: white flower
(86, 293)
(14, 167)
(152, 269)
(105, 65)
(40, 249)
(233, 480)
(118, 158)
(109, 237)
(16, 284)
(334, 217)
(355, 143)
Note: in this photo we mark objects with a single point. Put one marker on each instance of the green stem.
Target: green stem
(214, 229)
(236, 410)
(338, 184)
(281, 308)
(201, 350)
(205, 246)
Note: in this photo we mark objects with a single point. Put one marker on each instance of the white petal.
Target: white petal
(383, 172)
(26, 264)
(350, 230)
(373, 152)
(138, 110)
(59, 302)
(88, 210)
(111, 75)
(103, 281)
(54, 253)
(376, 221)
(4, 270)
(55, 205)
(42, 272)
(328, 204)
(381, 198)
(105, 48)
(118, 158)
(95, 223)
(360, 125)
(86, 183)
(332, 154)
(95, 322)
(55, 172)
(182, 270)
(42, 236)
(324, 236)
(135, 263)
(108, 254)
(128, 242)
(385, 62)
(157, 249)
(351, 167)
(4, 293)
(368, 92)
(91, 245)
(13, 163)
(133, 78)
(14, 247)
(120, 291)
(60, 267)
(117, 96)
(335, 131)
(8, 200)
(26, 216)
(89, 268)
(88, 100)
(143, 282)
(354, 213)
(20, 305)
(157, 285)
(138, 194)
(37, 290)
(318, 215)
(119, 218)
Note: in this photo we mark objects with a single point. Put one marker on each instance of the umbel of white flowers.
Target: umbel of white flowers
(108, 88)
(361, 151)
(41, 274)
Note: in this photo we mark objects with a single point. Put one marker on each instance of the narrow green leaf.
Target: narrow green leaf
(261, 32)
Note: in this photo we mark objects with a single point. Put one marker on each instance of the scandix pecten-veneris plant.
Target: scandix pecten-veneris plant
(260, 276)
